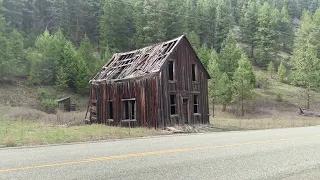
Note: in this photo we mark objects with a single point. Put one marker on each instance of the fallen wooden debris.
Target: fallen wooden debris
(308, 112)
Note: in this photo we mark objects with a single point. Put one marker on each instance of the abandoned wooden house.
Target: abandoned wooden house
(156, 86)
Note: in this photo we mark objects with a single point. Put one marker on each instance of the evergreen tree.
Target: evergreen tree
(82, 76)
(194, 40)
(271, 69)
(114, 32)
(286, 35)
(69, 63)
(249, 25)
(267, 34)
(224, 91)
(149, 24)
(62, 78)
(223, 23)
(243, 82)
(204, 55)
(229, 56)
(306, 69)
(281, 72)
(86, 52)
(207, 15)
(215, 73)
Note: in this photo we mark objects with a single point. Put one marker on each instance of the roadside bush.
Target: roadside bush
(262, 81)
(279, 98)
(45, 93)
(10, 142)
(49, 105)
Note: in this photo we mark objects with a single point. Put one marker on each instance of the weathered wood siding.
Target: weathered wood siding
(152, 94)
(144, 91)
(184, 88)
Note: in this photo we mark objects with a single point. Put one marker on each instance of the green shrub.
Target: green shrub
(10, 142)
(262, 81)
(279, 98)
(45, 93)
(49, 105)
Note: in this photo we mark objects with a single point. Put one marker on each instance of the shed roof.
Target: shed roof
(138, 63)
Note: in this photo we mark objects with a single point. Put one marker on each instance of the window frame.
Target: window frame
(173, 105)
(173, 71)
(196, 104)
(110, 112)
(132, 109)
(194, 73)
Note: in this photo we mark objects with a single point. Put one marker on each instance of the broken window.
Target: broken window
(173, 104)
(195, 104)
(194, 72)
(129, 109)
(171, 70)
(110, 110)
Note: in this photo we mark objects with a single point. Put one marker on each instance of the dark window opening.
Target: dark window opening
(171, 70)
(110, 109)
(194, 73)
(173, 105)
(129, 109)
(195, 104)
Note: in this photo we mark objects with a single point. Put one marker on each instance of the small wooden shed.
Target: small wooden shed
(156, 86)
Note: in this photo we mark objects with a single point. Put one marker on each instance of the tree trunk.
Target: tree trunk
(224, 108)
(212, 107)
(77, 32)
(242, 108)
(308, 99)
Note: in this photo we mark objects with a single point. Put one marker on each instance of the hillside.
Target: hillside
(277, 101)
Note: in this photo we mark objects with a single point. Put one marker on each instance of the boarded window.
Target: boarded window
(194, 72)
(110, 110)
(129, 109)
(173, 105)
(195, 104)
(171, 70)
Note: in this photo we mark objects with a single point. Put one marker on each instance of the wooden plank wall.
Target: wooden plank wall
(152, 93)
(183, 87)
(144, 91)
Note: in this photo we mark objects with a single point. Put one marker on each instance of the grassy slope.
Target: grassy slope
(264, 112)
(22, 124)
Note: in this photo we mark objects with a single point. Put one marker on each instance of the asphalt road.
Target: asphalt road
(271, 154)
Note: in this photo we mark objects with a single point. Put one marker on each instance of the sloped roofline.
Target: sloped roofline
(178, 39)
(193, 51)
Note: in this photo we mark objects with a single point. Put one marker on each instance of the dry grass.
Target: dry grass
(264, 112)
(25, 126)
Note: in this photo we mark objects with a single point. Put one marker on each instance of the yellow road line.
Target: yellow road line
(125, 156)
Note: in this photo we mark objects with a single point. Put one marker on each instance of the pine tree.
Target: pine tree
(267, 34)
(271, 69)
(224, 91)
(69, 63)
(215, 73)
(207, 15)
(149, 24)
(286, 35)
(62, 78)
(249, 25)
(86, 52)
(243, 82)
(306, 69)
(204, 55)
(114, 32)
(223, 23)
(229, 56)
(281, 72)
(82, 76)
(194, 40)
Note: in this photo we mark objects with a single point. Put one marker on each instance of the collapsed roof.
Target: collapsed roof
(137, 63)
